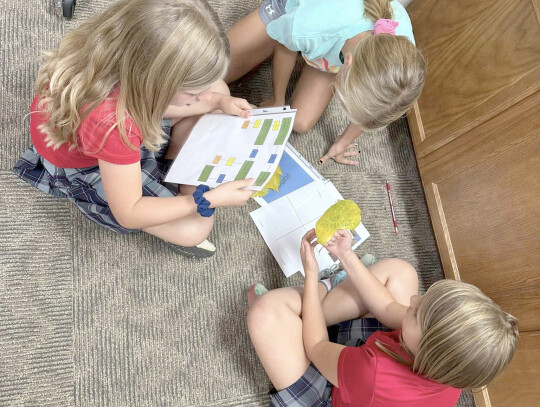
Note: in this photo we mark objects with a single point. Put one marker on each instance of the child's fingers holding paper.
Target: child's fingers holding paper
(236, 107)
(243, 108)
(232, 193)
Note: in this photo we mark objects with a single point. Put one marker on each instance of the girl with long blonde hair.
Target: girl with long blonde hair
(361, 50)
(454, 337)
(101, 120)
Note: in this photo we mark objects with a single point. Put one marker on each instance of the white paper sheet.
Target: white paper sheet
(225, 148)
(283, 222)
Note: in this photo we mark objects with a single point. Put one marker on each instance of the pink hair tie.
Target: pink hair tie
(385, 26)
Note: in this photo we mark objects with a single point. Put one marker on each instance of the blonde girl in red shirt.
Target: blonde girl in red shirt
(97, 128)
(453, 337)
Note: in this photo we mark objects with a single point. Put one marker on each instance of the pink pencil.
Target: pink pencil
(391, 207)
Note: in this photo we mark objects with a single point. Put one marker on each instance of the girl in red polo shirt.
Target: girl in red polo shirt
(451, 338)
(96, 121)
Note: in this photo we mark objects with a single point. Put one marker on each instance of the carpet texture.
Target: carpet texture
(91, 318)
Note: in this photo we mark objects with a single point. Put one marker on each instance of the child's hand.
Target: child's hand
(340, 154)
(311, 267)
(340, 243)
(231, 105)
(230, 193)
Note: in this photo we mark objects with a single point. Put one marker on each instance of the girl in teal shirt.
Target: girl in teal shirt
(363, 50)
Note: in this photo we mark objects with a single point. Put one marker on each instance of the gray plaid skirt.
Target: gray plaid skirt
(84, 188)
(312, 389)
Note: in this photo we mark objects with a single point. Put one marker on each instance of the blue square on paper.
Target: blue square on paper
(293, 178)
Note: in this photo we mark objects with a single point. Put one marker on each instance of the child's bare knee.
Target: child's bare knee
(302, 125)
(262, 314)
(396, 269)
(404, 271)
(193, 231)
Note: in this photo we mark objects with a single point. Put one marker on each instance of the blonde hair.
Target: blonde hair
(467, 340)
(375, 9)
(386, 76)
(149, 49)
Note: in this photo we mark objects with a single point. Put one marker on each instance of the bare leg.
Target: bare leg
(275, 327)
(275, 322)
(187, 231)
(250, 45)
(343, 302)
(179, 135)
(193, 229)
(311, 96)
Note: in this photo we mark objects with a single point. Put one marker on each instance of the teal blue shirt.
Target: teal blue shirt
(319, 28)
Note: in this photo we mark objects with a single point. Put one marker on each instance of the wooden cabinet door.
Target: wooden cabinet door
(476, 133)
(483, 194)
(483, 56)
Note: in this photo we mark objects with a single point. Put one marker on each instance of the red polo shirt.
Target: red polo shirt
(369, 377)
(90, 138)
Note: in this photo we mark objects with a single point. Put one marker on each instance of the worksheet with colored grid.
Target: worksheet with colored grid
(224, 148)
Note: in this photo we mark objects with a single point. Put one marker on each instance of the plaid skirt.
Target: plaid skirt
(312, 389)
(84, 188)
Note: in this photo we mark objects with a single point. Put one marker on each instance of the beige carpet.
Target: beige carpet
(90, 318)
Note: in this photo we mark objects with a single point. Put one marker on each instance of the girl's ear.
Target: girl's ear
(348, 60)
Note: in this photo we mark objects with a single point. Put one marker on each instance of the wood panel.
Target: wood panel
(481, 398)
(483, 57)
(512, 127)
(476, 134)
(483, 193)
(415, 125)
(523, 375)
(440, 229)
(487, 220)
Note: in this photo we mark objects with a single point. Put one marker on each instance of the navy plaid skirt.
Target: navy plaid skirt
(84, 188)
(312, 389)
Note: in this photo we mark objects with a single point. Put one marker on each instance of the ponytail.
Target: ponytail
(376, 9)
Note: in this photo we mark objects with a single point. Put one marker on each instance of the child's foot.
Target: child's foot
(334, 279)
(338, 276)
(201, 251)
(368, 260)
(256, 290)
